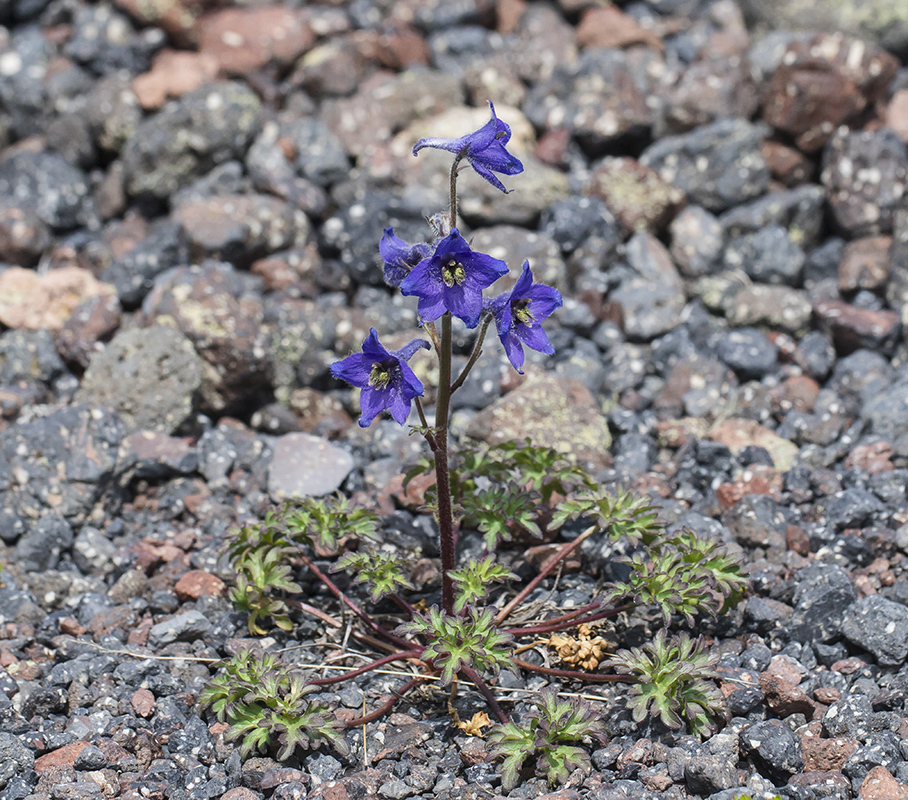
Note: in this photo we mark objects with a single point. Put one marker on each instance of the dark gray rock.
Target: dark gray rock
(62, 462)
(152, 377)
(748, 352)
(882, 751)
(880, 626)
(41, 547)
(596, 97)
(718, 166)
(865, 173)
(105, 40)
(885, 412)
(50, 185)
(649, 310)
(852, 508)
(184, 627)
(798, 210)
(15, 758)
(573, 221)
(756, 521)
(767, 256)
(823, 593)
(774, 749)
(697, 239)
(28, 356)
(189, 137)
(133, 273)
(220, 310)
(44, 700)
(852, 716)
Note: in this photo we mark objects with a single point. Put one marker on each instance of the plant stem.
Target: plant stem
(374, 626)
(546, 569)
(477, 352)
(480, 684)
(568, 621)
(384, 708)
(447, 535)
(379, 662)
(422, 419)
(573, 674)
(453, 211)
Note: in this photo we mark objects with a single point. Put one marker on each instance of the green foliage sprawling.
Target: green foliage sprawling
(550, 735)
(507, 489)
(683, 574)
(675, 681)
(453, 642)
(624, 515)
(265, 703)
(262, 552)
(474, 580)
(321, 522)
(382, 572)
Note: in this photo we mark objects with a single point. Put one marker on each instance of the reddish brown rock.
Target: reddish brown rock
(174, 73)
(798, 393)
(33, 301)
(197, 583)
(865, 264)
(788, 166)
(730, 493)
(825, 82)
(736, 433)
(244, 40)
(827, 695)
(635, 194)
(853, 328)
(826, 754)
(61, 757)
(784, 698)
(880, 785)
(873, 458)
(609, 26)
(143, 703)
(23, 236)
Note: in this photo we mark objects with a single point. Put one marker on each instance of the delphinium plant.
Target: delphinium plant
(510, 492)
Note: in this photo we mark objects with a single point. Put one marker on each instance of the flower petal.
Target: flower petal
(513, 350)
(372, 402)
(399, 407)
(354, 369)
(534, 337)
(411, 386)
(406, 352)
(543, 301)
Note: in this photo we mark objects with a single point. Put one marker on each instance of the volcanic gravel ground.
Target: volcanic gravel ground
(191, 198)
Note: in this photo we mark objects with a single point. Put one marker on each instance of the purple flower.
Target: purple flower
(400, 257)
(387, 382)
(484, 149)
(452, 279)
(518, 314)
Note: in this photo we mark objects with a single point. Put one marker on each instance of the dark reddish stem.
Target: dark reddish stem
(374, 626)
(549, 565)
(384, 708)
(379, 662)
(573, 674)
(473, 676)
(568, 621)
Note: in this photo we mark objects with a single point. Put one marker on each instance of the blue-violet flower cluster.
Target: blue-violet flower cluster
(448, 277)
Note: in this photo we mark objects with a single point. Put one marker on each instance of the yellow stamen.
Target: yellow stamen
(379, 377)
(453, 273)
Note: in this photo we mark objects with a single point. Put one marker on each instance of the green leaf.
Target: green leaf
(454, 642)
(473, 581)
(381, 571)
